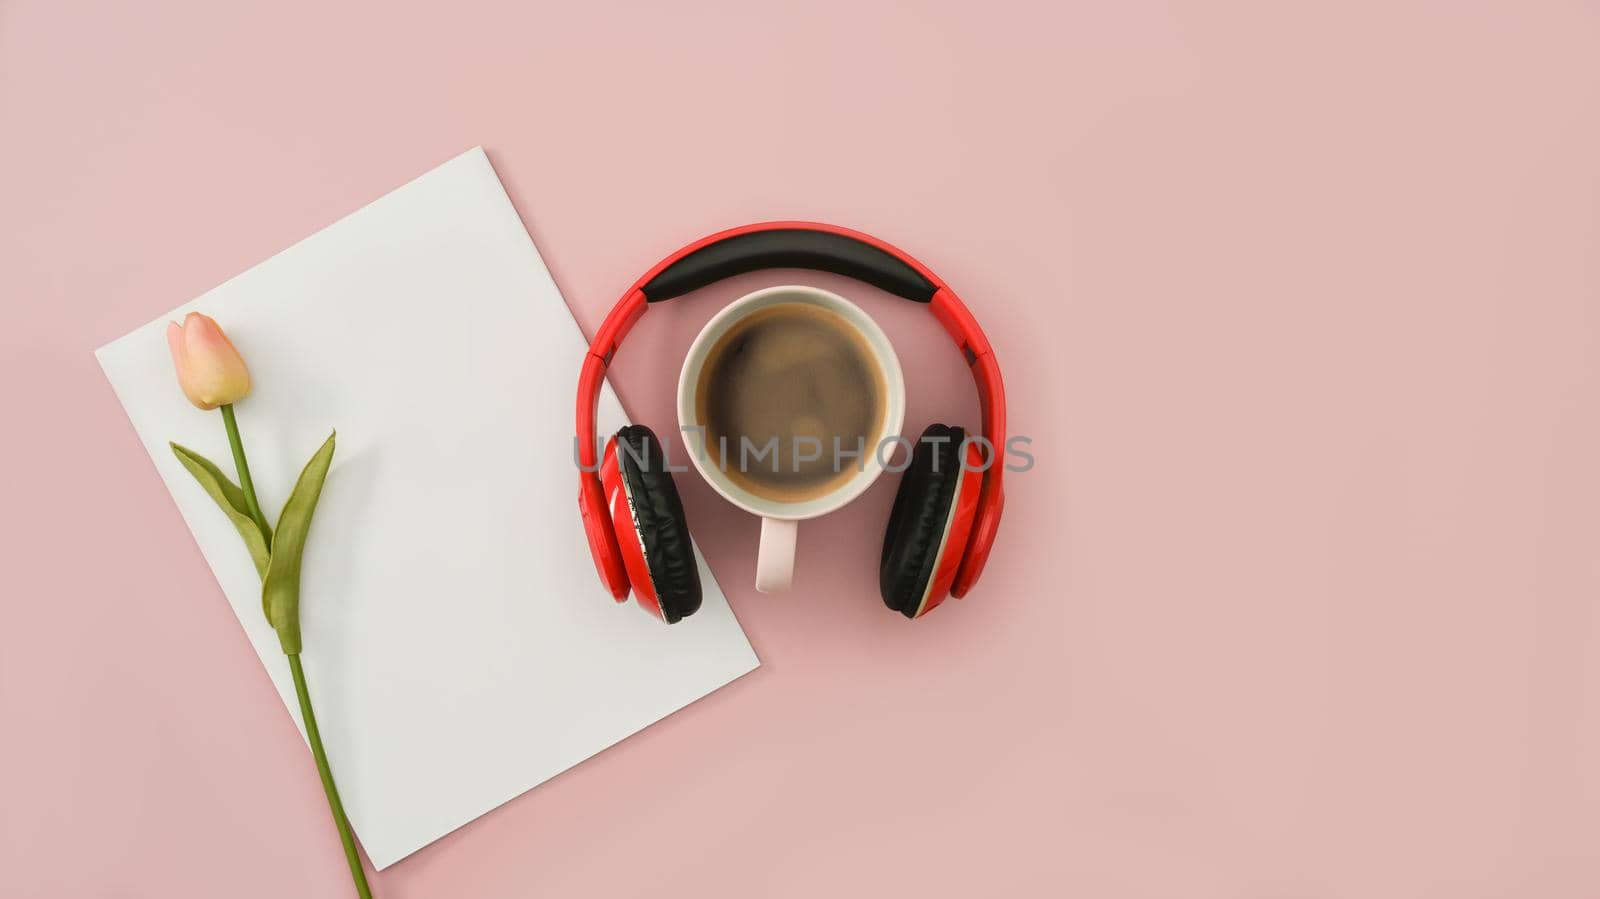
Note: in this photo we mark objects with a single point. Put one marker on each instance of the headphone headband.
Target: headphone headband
(820, 247)
(828, 251)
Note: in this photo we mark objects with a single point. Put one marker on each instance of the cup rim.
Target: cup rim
(873, 466)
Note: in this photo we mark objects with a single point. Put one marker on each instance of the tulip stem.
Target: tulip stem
(334, 805)
(241, 465)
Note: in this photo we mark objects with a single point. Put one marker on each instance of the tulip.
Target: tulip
(212, 375)
(210, 371)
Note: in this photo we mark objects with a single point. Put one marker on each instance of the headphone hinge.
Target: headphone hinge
(616, 326)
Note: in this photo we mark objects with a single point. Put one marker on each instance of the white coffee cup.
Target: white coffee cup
(780, 520)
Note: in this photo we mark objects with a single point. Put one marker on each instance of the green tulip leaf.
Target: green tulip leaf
(231, 499)
(280, 588)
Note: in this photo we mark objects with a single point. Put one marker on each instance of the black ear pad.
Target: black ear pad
(916, 524)
(658, 514)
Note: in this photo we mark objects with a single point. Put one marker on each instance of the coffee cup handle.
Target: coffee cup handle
(775, 558)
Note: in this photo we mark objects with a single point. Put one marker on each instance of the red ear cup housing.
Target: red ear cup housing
(648, 519)
(597, 526)
(930, 522)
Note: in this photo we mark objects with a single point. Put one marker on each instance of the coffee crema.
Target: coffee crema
(779, 388)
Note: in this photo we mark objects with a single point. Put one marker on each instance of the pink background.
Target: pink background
(1301, 309)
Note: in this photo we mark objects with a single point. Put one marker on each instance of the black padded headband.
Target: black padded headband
(789, 248)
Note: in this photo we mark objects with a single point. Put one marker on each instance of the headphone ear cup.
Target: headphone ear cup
(929, 524)
(600, 530)
(650, 525)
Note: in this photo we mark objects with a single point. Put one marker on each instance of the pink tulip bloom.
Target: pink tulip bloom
(210, 371)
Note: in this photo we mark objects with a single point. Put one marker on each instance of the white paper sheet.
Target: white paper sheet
(459, 646)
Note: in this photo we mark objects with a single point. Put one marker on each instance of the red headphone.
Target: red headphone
(945, 515)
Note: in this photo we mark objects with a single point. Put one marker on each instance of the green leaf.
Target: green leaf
(280, 589)
(228, 495)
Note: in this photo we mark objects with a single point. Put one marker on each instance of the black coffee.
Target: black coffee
(777, 390)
